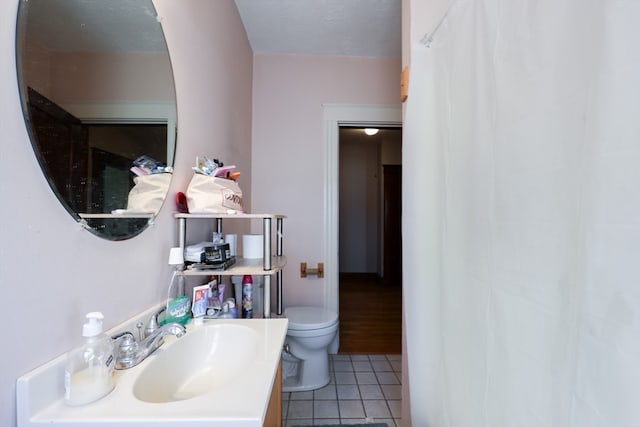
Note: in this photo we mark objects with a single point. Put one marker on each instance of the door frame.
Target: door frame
(336, 115)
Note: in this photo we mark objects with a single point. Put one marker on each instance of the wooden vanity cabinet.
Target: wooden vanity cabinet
(273, 418)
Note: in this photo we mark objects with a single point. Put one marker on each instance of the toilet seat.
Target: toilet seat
(309, 318)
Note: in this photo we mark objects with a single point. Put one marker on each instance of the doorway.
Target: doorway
(336, 116)
(370, 257)
(369, 187)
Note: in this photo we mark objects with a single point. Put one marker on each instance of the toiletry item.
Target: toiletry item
(221, 292)
(247, 297)
(88, 374)
(178, 311)
(226, 312)
(199, 304)
(212, 292)
(214, 303)
(213, 311)
(181, 203)
(231, 240)
(236, 284)
(231, 303)
(195, 253)
(217, 253)
(176, 257)
(217, 238)
(256, 297)
(224, 171)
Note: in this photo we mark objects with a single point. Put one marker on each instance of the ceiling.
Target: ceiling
(356, 134)
(369, 28)
(92, 25)
(365, 28)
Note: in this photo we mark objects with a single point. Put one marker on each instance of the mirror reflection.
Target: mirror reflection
(98, 95)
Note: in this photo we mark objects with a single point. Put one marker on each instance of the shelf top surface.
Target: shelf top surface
(242, 266)
(116, 216)
(225, 216)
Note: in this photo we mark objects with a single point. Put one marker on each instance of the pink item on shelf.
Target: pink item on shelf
(137, 170)
(221, 172)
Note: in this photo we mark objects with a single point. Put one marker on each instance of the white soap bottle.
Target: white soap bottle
(88, 373)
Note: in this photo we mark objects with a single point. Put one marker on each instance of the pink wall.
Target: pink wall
(76, 272)
(81, 77)
(37, 71)
(86, 77)
(289, 146)
(212, 64)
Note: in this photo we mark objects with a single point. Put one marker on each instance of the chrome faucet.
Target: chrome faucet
(152, 323)
(130, 352)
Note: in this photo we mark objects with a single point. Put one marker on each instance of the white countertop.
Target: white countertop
(241, 403)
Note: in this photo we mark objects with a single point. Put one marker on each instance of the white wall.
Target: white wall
(289, 147)
(391, 151)
(51, 271)
(359, 205)
(361, 210)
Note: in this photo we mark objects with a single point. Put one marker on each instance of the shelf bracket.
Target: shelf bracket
(318, 271)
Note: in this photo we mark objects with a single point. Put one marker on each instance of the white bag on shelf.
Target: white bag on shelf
(208, 194)
(148, 193)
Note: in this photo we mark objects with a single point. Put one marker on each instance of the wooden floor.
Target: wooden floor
(370, 315)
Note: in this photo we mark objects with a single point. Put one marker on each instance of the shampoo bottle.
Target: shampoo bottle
(88, 373)
(247, 297)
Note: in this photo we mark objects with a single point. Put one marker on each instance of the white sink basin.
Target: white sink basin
(218, 375)
(200, 362)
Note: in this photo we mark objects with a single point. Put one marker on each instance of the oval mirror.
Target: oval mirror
(98, 98)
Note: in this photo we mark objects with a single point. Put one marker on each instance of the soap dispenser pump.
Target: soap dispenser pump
(88, 373)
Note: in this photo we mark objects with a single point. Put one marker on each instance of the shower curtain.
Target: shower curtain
(522, 216)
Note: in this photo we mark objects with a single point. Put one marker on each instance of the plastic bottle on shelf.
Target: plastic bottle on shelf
(231, 303)
(226, 313)
(88, 373)
(247, 297)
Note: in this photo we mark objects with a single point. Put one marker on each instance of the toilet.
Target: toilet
(311, 334)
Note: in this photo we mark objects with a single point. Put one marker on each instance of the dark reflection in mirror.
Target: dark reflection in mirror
(97, 92)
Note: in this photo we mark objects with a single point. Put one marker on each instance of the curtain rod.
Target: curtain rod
(428, 37)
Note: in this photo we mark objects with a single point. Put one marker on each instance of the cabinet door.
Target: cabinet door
(273, 418)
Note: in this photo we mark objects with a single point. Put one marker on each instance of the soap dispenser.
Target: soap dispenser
(88, 373)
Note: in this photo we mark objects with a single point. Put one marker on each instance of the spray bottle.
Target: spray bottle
(247, 297)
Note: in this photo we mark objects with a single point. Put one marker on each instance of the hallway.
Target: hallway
(370, 315)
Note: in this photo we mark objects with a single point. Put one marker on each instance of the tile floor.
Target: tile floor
(362, 389)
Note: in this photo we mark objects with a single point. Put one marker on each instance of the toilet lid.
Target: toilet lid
(303, 318)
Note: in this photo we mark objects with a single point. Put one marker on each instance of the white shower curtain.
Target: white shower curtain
(522, 216)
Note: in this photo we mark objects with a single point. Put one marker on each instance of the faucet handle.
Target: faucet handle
(139, 326)
(128, 345)
(126, 350)
(152, 323)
